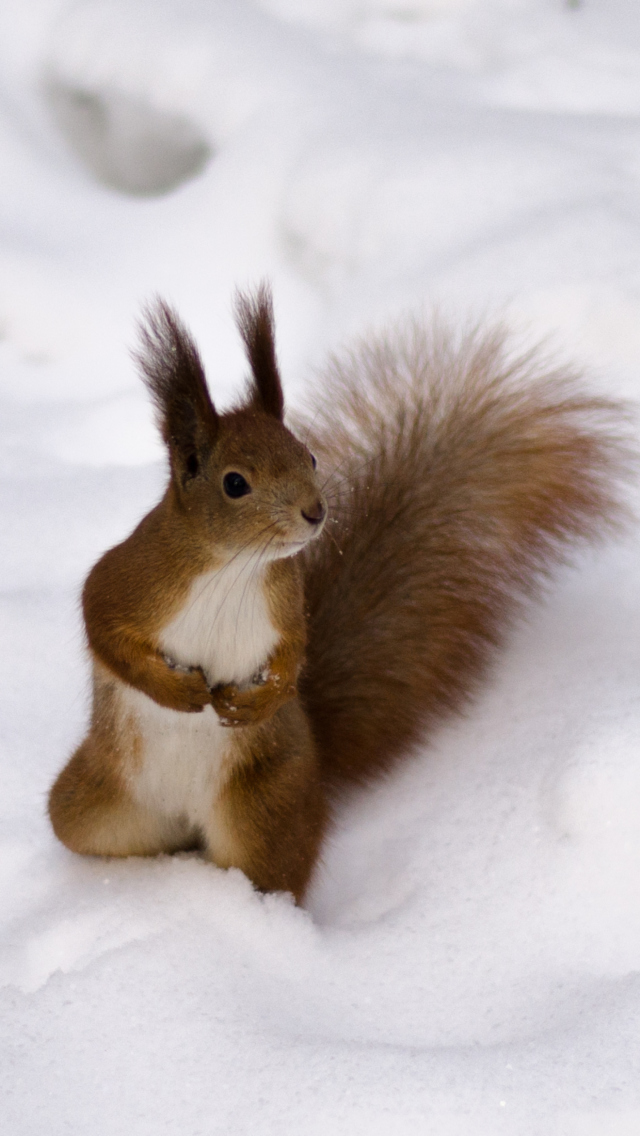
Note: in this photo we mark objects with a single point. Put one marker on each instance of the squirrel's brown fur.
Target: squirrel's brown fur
(462, 475)
(458, 476)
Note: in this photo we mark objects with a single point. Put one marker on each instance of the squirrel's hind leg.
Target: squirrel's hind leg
(272, 814)
(92, 812)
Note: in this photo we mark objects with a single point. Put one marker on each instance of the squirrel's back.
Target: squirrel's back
(461, 476)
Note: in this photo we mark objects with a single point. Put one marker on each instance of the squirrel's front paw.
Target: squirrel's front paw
(237, 707)
(234, 707)
(181, 688)
(196, 691)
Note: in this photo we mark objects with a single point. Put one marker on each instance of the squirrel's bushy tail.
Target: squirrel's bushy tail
(461, 476)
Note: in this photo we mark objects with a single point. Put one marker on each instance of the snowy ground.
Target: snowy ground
(469, 962)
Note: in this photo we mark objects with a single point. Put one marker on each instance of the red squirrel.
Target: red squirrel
(250, 657)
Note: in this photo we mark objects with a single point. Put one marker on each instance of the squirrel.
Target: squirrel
(264, 638)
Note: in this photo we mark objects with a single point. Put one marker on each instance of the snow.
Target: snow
(468, 960)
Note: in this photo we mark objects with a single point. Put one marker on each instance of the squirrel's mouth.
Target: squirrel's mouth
(294, 544)
(289, 547)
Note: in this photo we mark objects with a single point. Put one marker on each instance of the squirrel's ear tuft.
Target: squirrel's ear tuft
(172, 371)
(254, 316)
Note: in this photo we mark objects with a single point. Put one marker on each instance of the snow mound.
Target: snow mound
(126, 143)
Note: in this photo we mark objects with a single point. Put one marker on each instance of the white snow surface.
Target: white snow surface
(468, 961)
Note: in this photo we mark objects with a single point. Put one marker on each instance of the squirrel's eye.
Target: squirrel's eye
(314, 461)
(235, 485)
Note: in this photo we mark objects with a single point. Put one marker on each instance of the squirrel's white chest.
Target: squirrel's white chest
(224, 625)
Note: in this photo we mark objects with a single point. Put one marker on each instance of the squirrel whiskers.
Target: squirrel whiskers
(246, 663)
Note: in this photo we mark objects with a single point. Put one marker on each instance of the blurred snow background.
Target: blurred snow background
(469, 963)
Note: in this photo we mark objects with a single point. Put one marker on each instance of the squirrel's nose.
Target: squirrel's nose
(315, 514)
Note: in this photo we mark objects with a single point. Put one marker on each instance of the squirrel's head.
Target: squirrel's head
(242, 476)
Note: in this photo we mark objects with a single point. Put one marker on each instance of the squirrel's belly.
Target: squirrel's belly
(180, 761)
